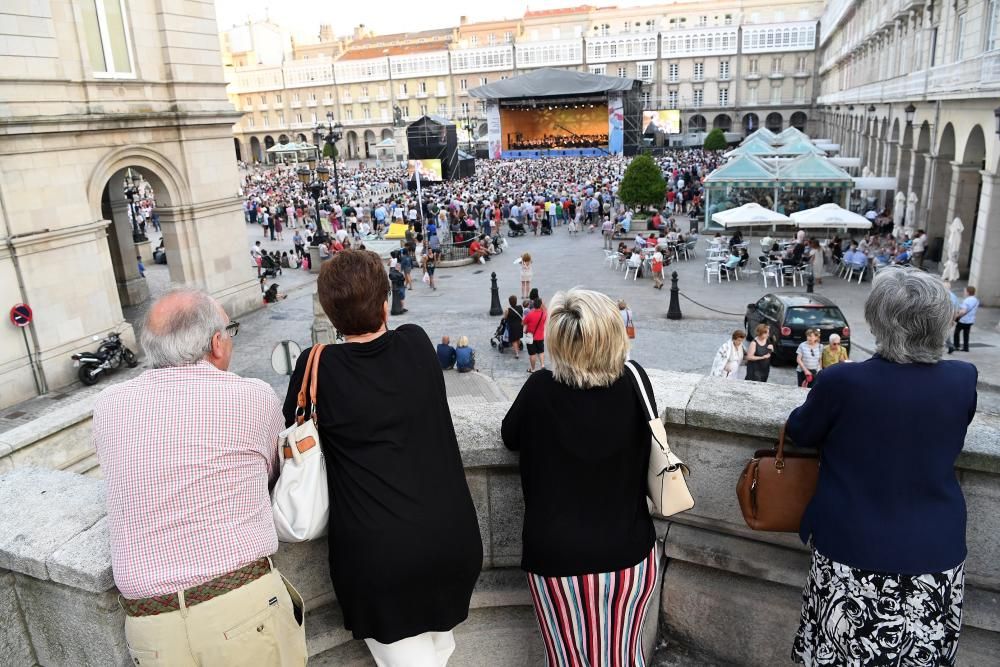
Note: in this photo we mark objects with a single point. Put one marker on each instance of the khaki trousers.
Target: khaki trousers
(252, 625)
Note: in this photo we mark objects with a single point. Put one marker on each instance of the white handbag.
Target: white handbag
(301, 499)
(665, 483)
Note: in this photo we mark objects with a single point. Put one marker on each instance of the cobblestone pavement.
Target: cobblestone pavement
(461, 306)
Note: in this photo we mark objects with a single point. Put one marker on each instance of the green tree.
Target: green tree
(643, 183)
(329, 150)
(716, 140)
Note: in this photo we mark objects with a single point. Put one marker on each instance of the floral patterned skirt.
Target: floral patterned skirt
(853, 617)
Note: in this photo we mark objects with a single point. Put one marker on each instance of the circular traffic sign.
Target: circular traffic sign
(284, 355)
(20, 315)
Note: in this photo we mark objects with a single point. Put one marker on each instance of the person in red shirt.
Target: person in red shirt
(477, 252)
(534, 324)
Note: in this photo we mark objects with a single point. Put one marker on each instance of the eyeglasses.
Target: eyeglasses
(233, 328)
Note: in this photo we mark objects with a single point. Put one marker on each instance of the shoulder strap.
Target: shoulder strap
(309, 383)
(639, 379)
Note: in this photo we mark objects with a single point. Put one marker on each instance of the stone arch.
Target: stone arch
(722, 122)
(256, 154)
(352, 144)
(283, 139)
(751, 123)
(386, 134)
(946, 146)
(798, 120)
(894, 135)
(924, 138)
(369, 143)
(167, 181)
(239, 149)
(774, 121)
(697, 123)
(268, 143)
(301, 138)
(975, 147)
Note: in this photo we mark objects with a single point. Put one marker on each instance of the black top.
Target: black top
(405, 550)
(584, 456)
(888, 499)
(760, 369)
(515, 323)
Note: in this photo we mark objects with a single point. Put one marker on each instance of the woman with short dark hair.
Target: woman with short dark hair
(887, 521)
(405, 549)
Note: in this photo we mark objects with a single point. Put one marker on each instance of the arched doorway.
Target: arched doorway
(722, 122)
(751, 123)
(352, 144)
(697, 123)
(774, 121)
(386, 134)
(239, 149)
(283, 139)
(369, 143)
(798, 121)
(268, 145)
(255, 152)
(301, 138)
(967, 186)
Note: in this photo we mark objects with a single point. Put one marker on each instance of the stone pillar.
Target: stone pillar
(132, 288)
(933, 211)
(984, 270)
(902, 172)
(963, 202)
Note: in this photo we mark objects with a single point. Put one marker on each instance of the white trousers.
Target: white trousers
(430, 649)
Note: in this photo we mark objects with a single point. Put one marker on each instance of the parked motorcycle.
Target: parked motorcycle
(110, 355)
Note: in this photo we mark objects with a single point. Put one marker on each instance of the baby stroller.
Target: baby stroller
(498, 244)
(516, 228)
(269, 267)
(546, 226)
(500, 340)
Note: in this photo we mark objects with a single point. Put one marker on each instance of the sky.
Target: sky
(303, 17)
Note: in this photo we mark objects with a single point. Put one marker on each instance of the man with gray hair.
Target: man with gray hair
(189, 452)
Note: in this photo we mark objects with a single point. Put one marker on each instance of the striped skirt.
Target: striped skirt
(594, 620)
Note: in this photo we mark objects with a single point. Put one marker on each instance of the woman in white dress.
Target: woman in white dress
(525, 261)
(727, 360)
(816, 261)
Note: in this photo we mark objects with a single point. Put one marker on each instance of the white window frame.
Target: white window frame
(622, 72)
(109, 57)
(599, 70)
(648, 76)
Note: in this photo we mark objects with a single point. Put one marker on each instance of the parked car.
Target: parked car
(789, 315)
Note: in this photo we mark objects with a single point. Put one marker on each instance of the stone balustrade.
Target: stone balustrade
(728, 595)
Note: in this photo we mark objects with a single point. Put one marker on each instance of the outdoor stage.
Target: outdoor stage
(561, 113)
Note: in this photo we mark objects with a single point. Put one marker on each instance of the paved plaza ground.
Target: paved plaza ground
(461, 304)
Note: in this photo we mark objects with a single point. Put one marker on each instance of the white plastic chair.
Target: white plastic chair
(714, 268)
(633, 265)
(770, 270)
(611, 258)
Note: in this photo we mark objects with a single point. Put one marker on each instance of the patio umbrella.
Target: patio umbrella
(750, 215)
(829, 216)
(952, 248)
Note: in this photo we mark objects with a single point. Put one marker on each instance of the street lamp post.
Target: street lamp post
(317, 187)
(335, 131)
(132, 181)
(469, 128)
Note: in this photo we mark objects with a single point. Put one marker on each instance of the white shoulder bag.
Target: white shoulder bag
(301, 499)
(665, 483)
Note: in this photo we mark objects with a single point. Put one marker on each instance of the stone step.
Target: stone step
(86, 463)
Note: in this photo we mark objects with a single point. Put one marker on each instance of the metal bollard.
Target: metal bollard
(495, 307)
(674, 310)
(810, 281)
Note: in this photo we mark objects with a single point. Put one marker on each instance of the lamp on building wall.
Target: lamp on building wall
(996, 115)
(850, 107)
(871, 109)
(910, 111)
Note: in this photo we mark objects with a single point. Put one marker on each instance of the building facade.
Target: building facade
(912, 88)
(96, 91)
(737, 66)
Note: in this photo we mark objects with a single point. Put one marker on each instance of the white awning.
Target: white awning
(846, 162)
(829, 216)
(875, 183)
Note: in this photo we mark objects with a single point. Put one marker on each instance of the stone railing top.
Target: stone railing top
(53, 524)
(47, 424)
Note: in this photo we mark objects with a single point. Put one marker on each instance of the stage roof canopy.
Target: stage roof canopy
(548, 82)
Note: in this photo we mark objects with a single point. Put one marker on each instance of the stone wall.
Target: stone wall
(729, 595)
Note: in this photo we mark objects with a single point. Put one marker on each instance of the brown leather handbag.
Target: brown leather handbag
(776, 486)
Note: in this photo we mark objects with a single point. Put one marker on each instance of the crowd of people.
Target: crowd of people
(556, 141)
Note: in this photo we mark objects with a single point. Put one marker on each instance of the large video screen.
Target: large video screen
(664, 121)
(429, 169)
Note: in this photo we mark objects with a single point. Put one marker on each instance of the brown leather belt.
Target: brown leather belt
(161, 604)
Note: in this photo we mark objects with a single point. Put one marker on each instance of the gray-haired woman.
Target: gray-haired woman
(887, 523)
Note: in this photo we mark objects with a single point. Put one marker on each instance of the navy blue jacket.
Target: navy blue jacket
(888, 499)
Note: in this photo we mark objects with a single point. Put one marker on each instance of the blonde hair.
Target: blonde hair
(526, 258)
(586, 339)
(463, 341)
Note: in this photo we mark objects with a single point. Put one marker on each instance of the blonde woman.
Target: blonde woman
(587, 532)
(729, 357)
(525, 261)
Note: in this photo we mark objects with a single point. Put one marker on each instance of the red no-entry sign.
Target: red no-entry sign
(20, 315)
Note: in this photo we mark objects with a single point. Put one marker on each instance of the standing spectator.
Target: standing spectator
(534, 324)
(465, 356)
(404, 541)
(514, 319)
(141, 266)
(398, 282)
(446, 354)
(917, 249)
(191, 545)
(430, 264)
(526, 273)
(608, 233)
(808, 358)
(834, 352)
(965, 318)
(887, 525)
(727, 360)
(587, 534)
(299, 243)
(758, 355)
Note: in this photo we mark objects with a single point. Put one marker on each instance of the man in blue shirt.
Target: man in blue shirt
(965, 317)
(380, 215)
(446, 354)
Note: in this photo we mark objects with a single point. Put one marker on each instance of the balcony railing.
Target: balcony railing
(402, 95)
(328, 101)
(776, 75)
(310, 103)
(296, 104)
(363, 99)
(346, 100)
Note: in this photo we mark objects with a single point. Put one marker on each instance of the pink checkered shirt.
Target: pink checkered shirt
(188, 455)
